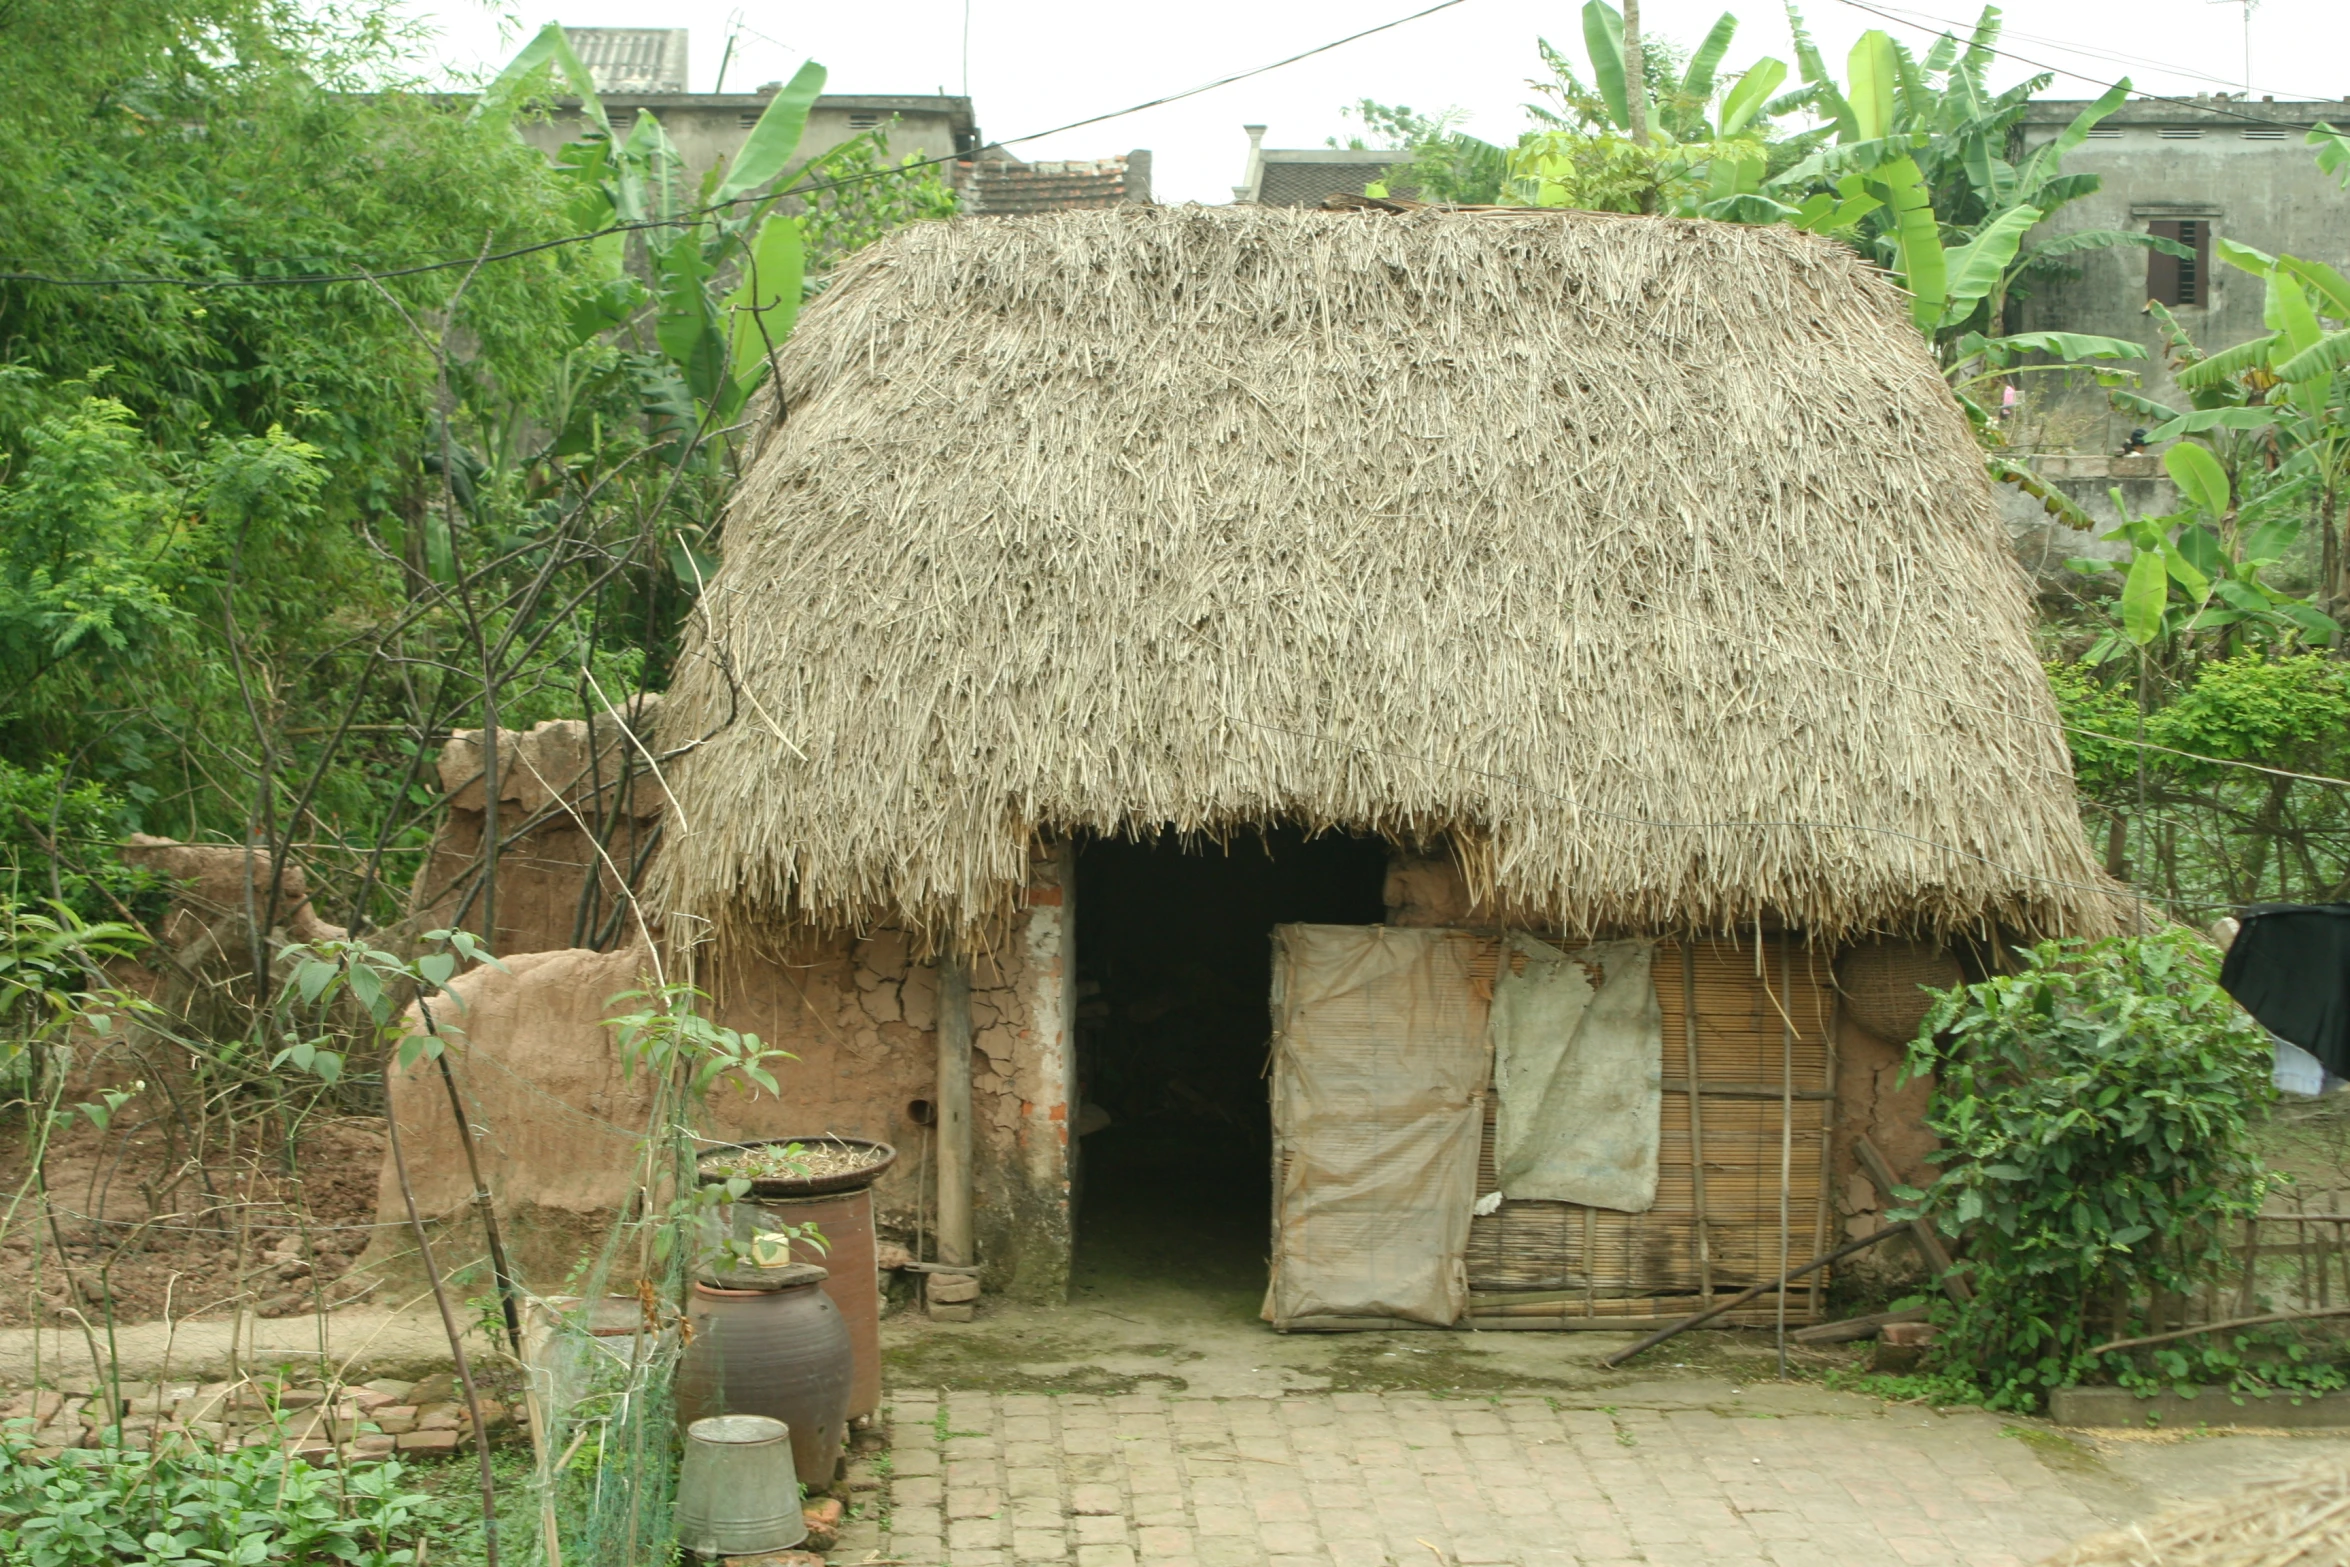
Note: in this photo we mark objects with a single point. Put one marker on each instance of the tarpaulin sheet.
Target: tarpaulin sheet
(2290, 967)
(1379, 1068)
(1578, 1053)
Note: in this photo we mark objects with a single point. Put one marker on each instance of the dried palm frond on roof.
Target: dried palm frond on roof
(1646, 561)
(2300, 1521)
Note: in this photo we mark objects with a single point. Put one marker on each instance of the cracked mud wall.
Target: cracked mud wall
(557, 1118)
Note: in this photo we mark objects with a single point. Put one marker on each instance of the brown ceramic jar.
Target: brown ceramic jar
(767, 1341)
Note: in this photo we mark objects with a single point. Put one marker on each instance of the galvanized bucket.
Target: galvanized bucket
(737, 1494)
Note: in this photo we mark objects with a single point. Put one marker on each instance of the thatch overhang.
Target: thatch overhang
(1647, 562)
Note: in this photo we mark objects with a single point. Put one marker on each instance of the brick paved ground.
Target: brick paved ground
(1372, 1479)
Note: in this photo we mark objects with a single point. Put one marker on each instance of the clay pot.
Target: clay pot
(841, 1208)
(768, 1341)
(851, 1261)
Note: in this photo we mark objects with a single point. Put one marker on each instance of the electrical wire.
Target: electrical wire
(1956, 28)
(2207, 107)
(686, 219)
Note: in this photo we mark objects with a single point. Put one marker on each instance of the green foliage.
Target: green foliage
(58, 837)
(667, 1033)
(1909, 163)
(2212, 836)
(52, 980)
(1941, 1389)
(2095, 1112)
(109, 1506)
(261, 547)
(852, 195)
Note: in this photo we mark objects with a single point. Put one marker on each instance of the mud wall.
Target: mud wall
(578, 816)
(1872, 1101)
(558, 1119)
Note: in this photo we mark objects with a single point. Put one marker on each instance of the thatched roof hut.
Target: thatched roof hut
(1646, 562)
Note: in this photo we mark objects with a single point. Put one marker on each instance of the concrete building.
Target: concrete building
(999, 185)
(632, 59)
(1303, 176)
(710, 127)
(2195, 171)
(644, 70)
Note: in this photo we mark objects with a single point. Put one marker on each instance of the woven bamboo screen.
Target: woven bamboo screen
(1766, 1074)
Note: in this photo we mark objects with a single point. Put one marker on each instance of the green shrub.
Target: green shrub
(2096, 1116)
(103, 1507)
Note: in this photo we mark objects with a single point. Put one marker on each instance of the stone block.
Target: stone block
(823, 1519)
(953, 1313)
(951, 1289)
(439, 1441)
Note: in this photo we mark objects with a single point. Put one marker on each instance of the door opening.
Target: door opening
(1174, 972)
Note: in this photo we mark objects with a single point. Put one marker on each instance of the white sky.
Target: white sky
(1036, 64)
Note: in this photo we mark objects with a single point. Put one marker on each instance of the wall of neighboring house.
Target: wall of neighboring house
(1303, 176)
(2219, 166)
(710, 127)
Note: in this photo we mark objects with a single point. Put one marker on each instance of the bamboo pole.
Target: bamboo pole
(1786, 1127)
(1590, 1263)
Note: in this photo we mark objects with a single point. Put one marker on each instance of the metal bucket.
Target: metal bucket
(737, 1494)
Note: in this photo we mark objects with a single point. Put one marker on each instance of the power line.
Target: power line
(686, 218)
(2088, 51)
(2024, 59)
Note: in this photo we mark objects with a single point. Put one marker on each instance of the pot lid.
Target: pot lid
(795, 1275)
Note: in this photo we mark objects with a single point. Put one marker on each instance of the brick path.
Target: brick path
(1406, 1480)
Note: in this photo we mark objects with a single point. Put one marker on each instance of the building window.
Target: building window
(2106, 133)
(2179, 133)
(2270, 134)
(2180, 280)
(865, 120)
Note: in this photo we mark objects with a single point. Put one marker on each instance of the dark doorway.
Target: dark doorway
(1174, 973)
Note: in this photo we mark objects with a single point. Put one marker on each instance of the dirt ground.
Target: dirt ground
(149, 1232)
(2309, 1139)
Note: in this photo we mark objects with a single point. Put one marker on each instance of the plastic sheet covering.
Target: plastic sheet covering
(1578, 1052)
(1379, 1068)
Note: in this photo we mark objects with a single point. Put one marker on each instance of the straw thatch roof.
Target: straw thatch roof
(1648, 561)
(2301, 1520)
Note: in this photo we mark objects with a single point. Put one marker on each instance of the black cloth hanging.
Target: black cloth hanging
(2290, 968)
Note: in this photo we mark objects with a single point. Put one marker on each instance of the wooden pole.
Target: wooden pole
(1734, 1302)
(2216, 1327)
(1920, 1230)
(954, 1107)
(1635, 74)
(1823, 1215)
(1705, 1250)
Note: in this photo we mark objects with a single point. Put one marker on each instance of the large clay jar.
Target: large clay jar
(767, 1341)
(851, 1260)
(841, 1208)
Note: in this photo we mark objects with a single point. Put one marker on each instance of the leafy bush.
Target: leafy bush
(2095, 1111)
(58, 839)
(104, 1507)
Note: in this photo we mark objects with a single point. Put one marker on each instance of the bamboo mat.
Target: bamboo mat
(1761, 1029)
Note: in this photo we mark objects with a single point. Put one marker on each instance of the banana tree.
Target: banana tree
(1924, 141)
(2280, 397)
(1695, 151)
(719, 268)
(2200, 570)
